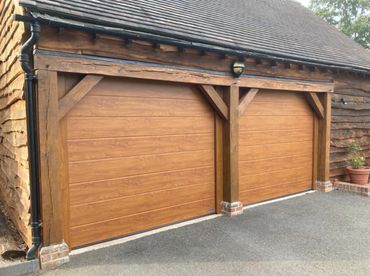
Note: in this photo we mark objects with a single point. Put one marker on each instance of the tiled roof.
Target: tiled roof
(276, 27)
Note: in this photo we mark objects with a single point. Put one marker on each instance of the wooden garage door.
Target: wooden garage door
(141, 155)
(276, 146)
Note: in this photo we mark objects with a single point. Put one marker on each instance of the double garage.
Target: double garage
(142, 154)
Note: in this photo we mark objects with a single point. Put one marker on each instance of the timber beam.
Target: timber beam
(323, 159)
(71, 63)
(315, 103)
(77, 93)
(231, 204)
(246, 100)
(215, 100)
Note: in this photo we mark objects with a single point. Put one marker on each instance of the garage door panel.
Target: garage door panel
(274, 137)
(252, 196)
(276, 146)
(285, 109)
(114, 168)
(131, 146)
(86, 127)
(280, 163)
(271, 151)
(108, 106)
(128, 186)
(145, 89)
(258, 123)
(255, 181)
(142, 153)
(105, 230)
(120, 207)
(278, 97)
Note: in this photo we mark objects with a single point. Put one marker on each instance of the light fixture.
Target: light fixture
(238, 69)
(343, 101)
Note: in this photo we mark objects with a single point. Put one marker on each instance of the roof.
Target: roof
(281, 28)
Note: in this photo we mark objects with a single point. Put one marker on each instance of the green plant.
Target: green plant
(356, 159)
(352, 17)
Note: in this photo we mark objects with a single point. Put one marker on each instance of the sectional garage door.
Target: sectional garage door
(276, 146)
(140, 155)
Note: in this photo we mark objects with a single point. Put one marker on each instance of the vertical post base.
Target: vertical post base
(231, 209)
(324, 186)
(53, 256)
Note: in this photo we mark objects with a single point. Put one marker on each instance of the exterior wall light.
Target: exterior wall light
(238, 69)
(343, 101)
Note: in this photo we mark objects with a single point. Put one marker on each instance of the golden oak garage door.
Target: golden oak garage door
(141, 155)
(276, 146)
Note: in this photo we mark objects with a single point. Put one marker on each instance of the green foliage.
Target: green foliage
(356, 159)
(352, 17)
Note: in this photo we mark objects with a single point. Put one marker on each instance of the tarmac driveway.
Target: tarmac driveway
(315, 234)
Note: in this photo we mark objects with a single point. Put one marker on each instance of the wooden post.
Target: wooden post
(51, 206)
(323, 162)
(231, 204)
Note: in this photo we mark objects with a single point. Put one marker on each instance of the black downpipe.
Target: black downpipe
(32, 135)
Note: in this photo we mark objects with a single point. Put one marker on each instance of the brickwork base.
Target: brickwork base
(363, 190)
(232, 208)
(324, 186)
(53, 256)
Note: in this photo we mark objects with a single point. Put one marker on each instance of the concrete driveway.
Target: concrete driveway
(315, 234)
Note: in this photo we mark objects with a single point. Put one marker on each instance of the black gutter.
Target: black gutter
(32, 133)
(182, 43)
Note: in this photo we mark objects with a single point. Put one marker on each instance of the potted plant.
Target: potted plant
(358, 172)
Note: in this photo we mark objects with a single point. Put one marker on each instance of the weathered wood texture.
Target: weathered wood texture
(14, 182)
(107, 46)
(276, 146)
(350, 121)
(74, 63)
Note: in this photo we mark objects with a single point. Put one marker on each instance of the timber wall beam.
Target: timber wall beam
(315, 103)
(215, 100)
(246, 100)
(323, 161)
(72, 63)
(77, 93)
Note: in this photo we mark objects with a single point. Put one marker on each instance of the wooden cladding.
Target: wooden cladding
(14, 172)
(350, 121)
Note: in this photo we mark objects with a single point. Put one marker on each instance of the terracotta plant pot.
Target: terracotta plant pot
(359, 176)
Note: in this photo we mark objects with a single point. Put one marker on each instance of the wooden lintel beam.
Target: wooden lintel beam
(45, 60)
(215, 100)
(316, 104)
(77, 93)
(246, 100)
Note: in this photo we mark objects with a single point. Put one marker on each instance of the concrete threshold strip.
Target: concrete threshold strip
(171, 227)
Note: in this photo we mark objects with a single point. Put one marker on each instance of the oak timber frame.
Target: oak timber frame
(222, 91)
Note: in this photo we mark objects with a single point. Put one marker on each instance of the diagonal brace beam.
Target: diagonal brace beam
(215, 100)
(316, 104)
(76, 94)
(246, 100)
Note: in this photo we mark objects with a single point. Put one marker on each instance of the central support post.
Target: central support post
(323, 169)
(231, 205)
